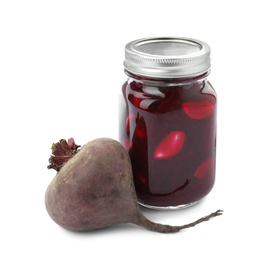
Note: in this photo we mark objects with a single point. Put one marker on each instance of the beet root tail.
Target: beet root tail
(144, 222)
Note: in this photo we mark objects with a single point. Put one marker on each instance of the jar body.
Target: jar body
(168, 127)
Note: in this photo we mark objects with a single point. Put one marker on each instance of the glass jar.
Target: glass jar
(168, 121)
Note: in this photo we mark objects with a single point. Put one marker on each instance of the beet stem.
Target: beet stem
(144, 222)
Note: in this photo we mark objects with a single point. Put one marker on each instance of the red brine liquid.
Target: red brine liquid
(169, 130)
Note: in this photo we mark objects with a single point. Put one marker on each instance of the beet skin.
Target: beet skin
(94, 189)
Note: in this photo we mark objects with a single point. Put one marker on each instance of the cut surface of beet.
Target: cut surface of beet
(127, 143)
(170, 145)
(129, 117)
(205, 168)
(198, 110)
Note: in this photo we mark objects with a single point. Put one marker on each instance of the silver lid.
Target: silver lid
(167, 57)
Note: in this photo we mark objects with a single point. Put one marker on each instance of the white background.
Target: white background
(60, 76)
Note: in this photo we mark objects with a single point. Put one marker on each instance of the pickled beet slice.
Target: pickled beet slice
(170, 145)
(135, 100)
(127, 143)
(198, 110)
(205, 168)
(129, 117)
(140, 129)
(142, 178)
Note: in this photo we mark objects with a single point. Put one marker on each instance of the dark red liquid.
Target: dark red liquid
(170, 134)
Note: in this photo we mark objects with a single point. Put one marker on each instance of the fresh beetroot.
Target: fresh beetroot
(94, 188)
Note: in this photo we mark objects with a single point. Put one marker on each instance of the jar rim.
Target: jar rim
(167, 57)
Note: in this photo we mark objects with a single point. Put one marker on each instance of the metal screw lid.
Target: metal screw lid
(167, 57)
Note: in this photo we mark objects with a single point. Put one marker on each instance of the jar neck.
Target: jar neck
(167, 81)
